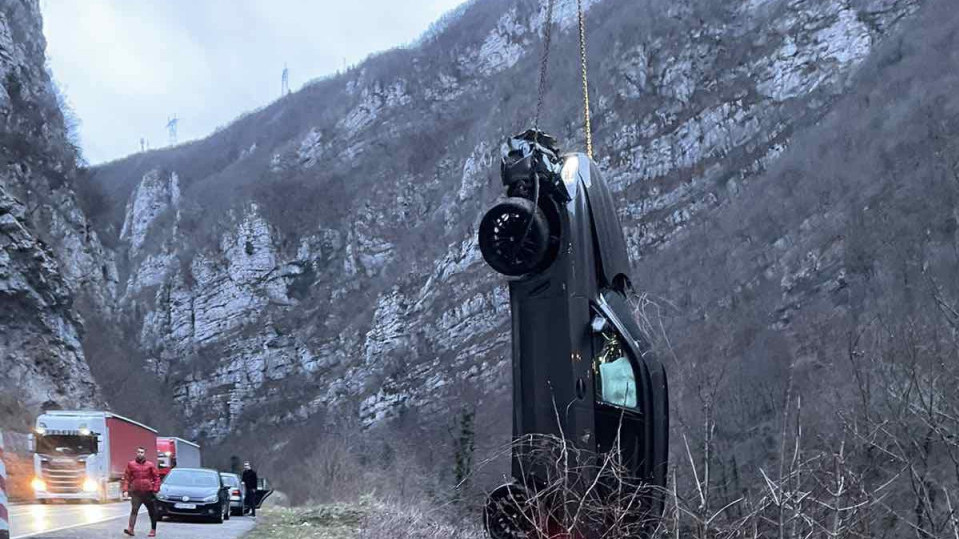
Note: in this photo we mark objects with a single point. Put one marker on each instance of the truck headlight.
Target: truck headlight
(211, 498)
(89, 485)
(39, 485)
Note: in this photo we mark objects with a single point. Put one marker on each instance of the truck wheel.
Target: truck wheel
(514, 236)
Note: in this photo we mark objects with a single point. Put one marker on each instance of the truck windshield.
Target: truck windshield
(190, 478)
(66, 444)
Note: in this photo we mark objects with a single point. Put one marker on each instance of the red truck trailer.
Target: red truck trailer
(4, 516)
(81, 455)
(173, 452)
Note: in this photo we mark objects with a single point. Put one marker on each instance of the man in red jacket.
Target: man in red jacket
(141, 481)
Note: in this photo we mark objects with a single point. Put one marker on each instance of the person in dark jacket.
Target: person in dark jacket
(141, 481)
(250, 481)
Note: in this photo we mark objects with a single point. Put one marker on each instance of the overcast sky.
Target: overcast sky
(127, 65)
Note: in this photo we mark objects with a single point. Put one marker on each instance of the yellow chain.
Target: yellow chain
(582, 58)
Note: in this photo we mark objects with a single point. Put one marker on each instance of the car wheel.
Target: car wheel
(514, 236)
(219, 515)
(506, 513)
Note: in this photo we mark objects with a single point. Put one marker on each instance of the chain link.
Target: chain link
(544, 63)
(582, 58)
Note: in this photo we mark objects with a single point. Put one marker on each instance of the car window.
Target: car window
(230, 480)
(191, 478)
(615, 376)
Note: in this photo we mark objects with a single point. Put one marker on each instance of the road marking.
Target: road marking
(61, 510)
(79, 525)
(54, 530)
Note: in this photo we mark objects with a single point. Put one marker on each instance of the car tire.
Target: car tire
(219, 515)
(505, 514)
(514, 236)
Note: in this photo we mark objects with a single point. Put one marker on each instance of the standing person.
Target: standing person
(250, 481)
(141, 481)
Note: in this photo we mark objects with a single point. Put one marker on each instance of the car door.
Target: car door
(263, 491)
(641, 416)
(224, 492)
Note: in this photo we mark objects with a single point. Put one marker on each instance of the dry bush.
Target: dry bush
(882, 461)
(569, 492)
(417, 520)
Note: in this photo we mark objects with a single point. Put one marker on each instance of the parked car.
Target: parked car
(194, 492)
(237, 495)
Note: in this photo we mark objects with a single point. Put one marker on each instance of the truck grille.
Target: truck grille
(63, 477)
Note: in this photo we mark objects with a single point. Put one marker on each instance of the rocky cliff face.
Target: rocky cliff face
(321, 252)
(51, 259)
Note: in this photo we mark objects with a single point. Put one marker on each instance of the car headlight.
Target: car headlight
(89, 485)
(39, 485)
(211, 498)
(161, 496)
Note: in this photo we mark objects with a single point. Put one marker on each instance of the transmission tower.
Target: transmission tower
(143, 144)
(285, 82)
(171, 127)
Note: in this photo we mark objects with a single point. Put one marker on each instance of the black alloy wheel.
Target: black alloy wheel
(514, 236)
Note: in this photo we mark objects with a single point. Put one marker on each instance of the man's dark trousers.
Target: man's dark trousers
(250, 500)
(147, 499)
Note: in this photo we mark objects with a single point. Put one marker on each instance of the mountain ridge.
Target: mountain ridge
(310, 272)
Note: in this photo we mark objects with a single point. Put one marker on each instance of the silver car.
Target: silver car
(237, 496)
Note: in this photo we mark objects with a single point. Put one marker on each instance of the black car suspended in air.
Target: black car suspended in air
(582, 370)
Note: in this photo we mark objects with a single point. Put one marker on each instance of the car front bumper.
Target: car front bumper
(201, 509)
(92, 496)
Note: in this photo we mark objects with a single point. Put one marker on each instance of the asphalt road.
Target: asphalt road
(89, 521)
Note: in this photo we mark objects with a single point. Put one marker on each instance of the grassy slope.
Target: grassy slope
(366, 519)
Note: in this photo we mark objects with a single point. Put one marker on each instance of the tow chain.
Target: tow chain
(582, 62)
(544, 65)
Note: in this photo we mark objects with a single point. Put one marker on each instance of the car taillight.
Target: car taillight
(236, 492)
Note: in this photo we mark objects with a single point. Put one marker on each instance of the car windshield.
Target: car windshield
(230, 480)
(191, 478)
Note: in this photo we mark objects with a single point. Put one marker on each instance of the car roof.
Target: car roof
(229, 474)
(179, 469)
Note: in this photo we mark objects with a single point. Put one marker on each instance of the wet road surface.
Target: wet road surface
(29, 520)
(89, 521)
